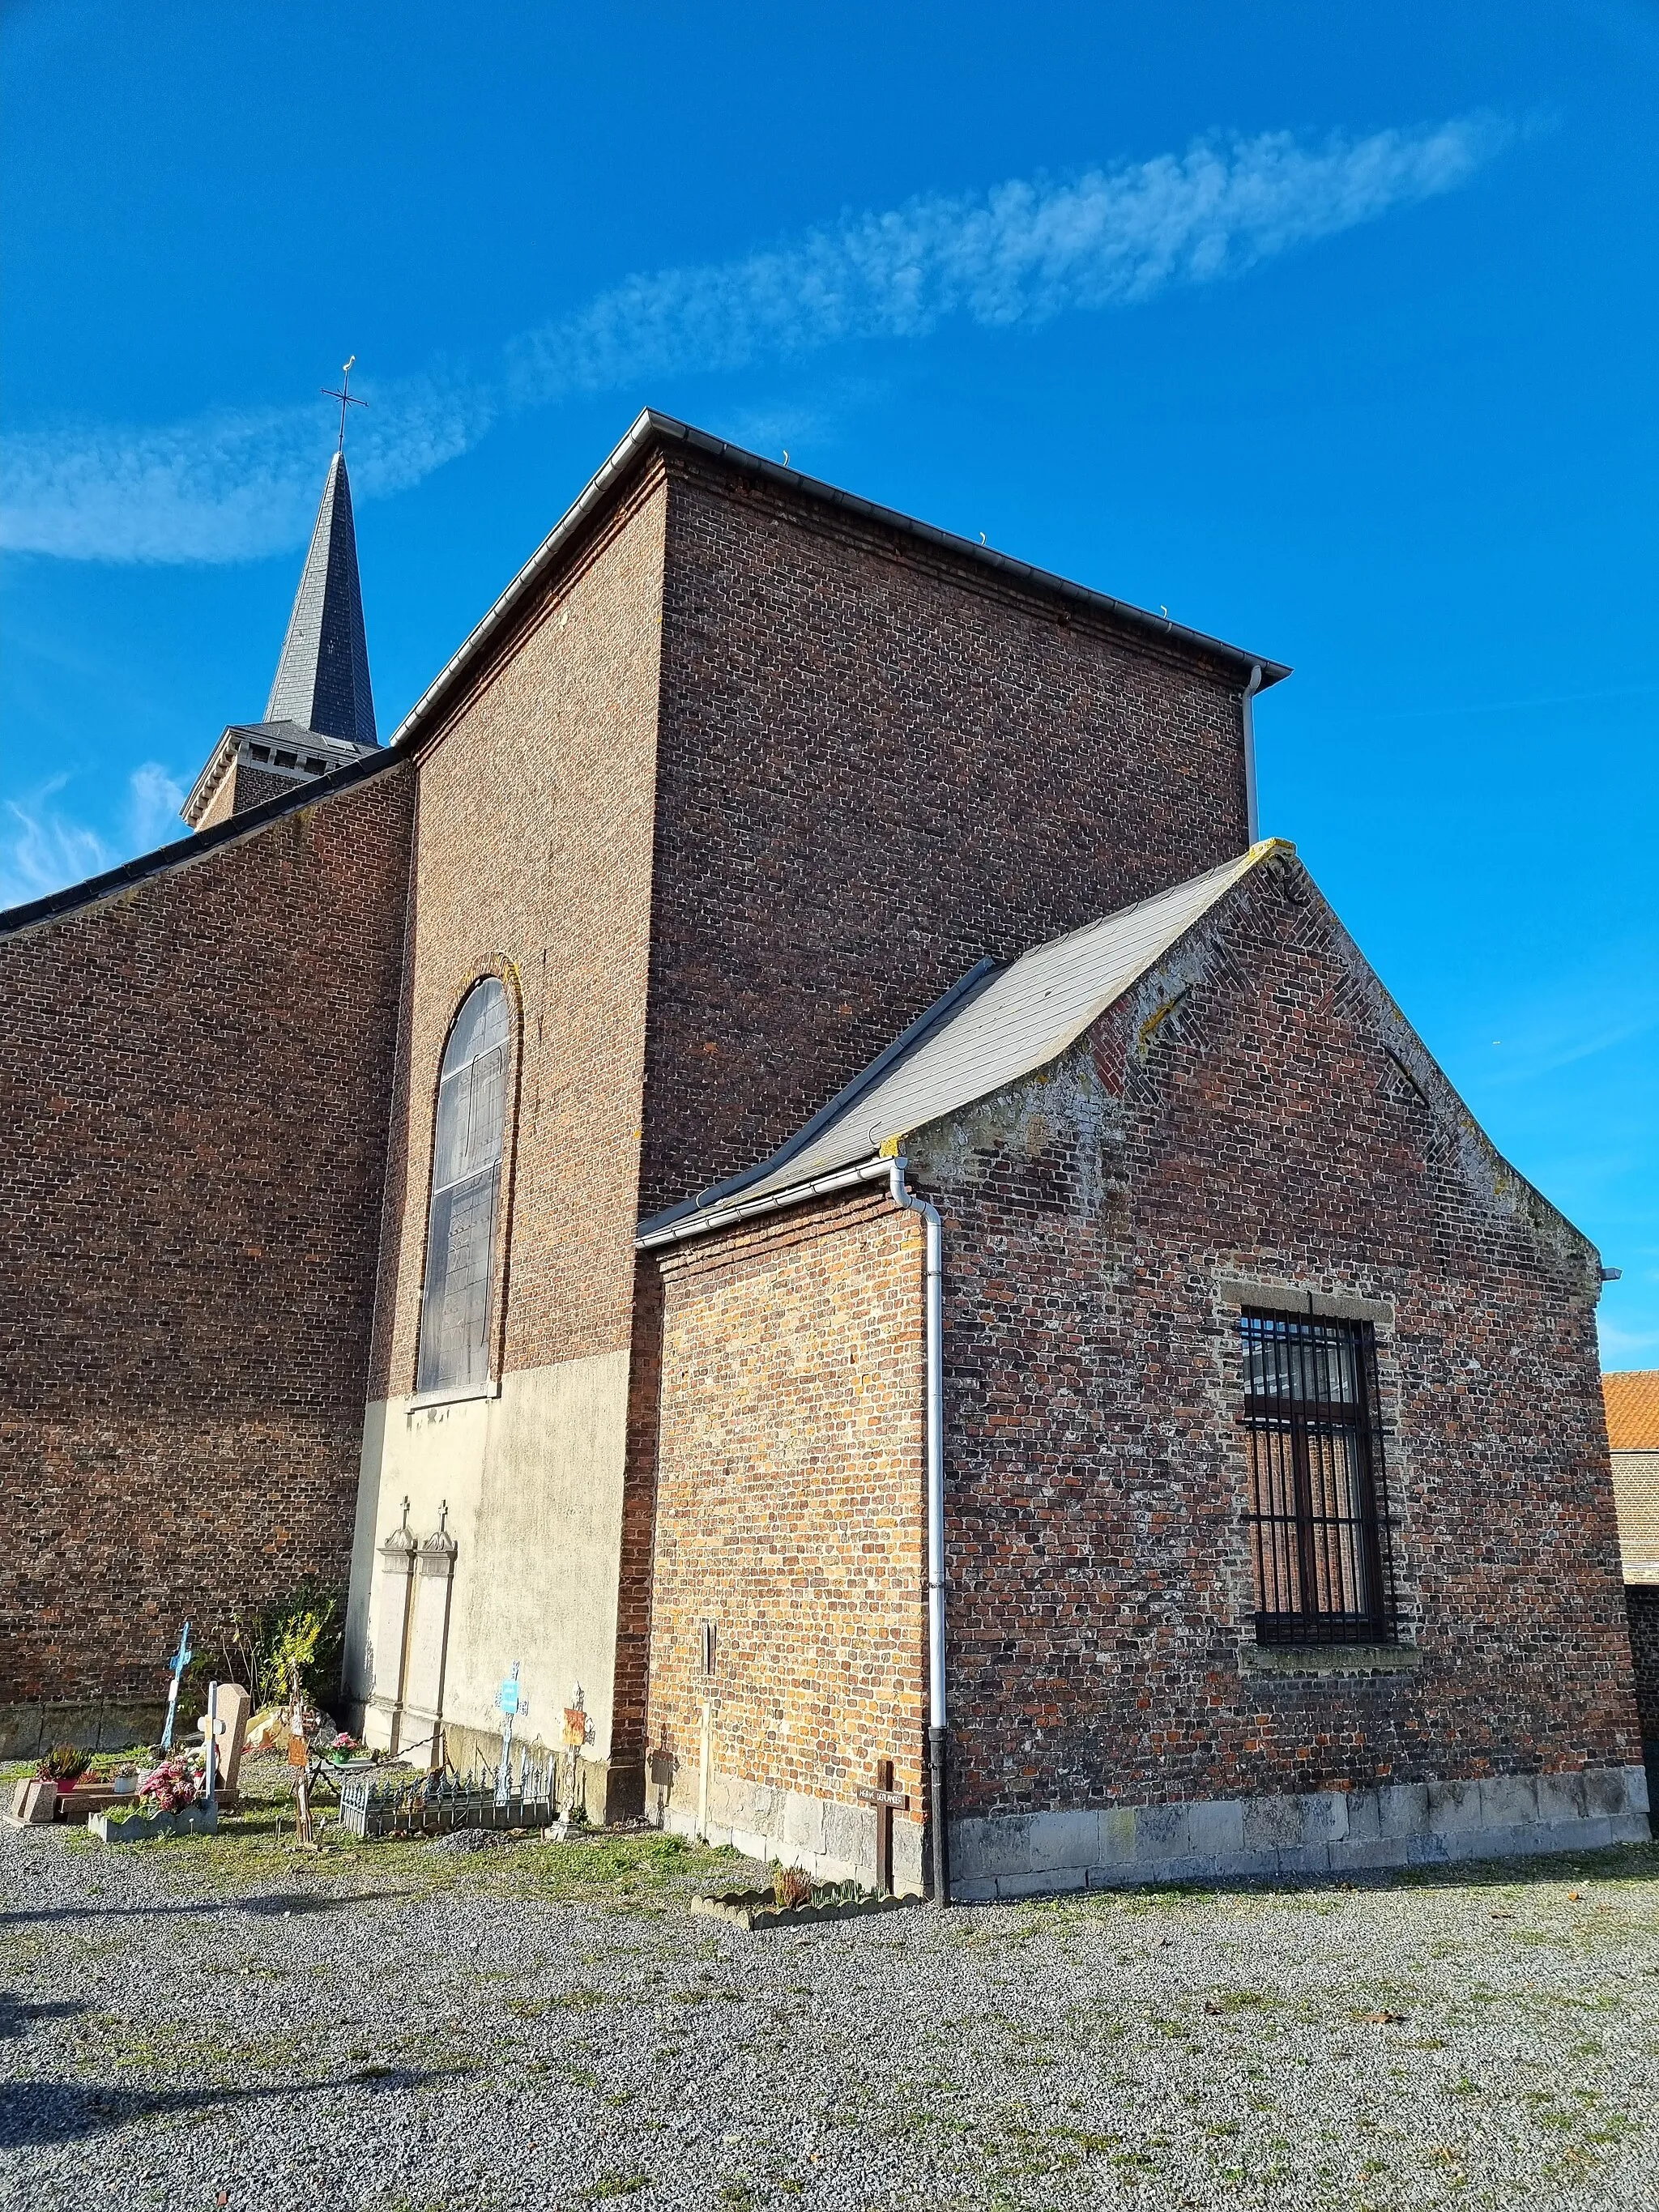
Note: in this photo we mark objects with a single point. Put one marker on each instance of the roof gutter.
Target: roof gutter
(727, 1217)
(890, 1170)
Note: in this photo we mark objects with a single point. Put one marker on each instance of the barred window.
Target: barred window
(466, 1174)
(1317, 1517)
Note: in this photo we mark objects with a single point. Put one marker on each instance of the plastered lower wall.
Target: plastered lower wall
(533, 1483)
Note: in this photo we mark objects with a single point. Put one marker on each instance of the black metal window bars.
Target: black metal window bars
(1318, 1513)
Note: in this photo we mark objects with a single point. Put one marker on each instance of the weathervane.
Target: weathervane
(344, 397)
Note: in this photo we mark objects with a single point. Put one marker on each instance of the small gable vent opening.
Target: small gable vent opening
(466, 1174)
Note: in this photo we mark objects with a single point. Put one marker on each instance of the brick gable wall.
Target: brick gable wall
(1255, 1129)
(878, 764)
(202, 1063)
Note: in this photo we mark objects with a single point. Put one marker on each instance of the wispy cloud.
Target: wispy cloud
(154, 798)
(233, 487)
(1626, 1347)
(42, 847)
(220, 487)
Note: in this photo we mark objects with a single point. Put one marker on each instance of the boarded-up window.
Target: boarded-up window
(467, 1175)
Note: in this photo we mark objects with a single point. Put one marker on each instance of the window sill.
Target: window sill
(1330, 1659)
(426, 1402)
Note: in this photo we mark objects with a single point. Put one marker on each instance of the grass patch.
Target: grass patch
(255, 1847)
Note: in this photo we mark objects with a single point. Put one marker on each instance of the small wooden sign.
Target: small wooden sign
(899, 1799)
(575, 1727)
(299, 1752)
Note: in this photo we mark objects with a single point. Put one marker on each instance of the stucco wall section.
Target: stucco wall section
(790, 1510)
(532, 1481)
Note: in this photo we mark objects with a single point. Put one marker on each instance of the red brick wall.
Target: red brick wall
(790, 1501)
(1100, 1587)
(195, 1073)
(532, 859)
(880, 763)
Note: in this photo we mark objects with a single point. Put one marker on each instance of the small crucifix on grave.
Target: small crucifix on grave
(299, 1759)
(508, 1703)
(176, 1666)
(575, 1735)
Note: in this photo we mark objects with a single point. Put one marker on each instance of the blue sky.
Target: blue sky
(1339, 342)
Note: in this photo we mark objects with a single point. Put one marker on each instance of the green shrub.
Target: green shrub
(261, 1649)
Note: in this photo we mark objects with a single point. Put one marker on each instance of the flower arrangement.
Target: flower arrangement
(171, 1786)
(64, 1764)
(792, 1887)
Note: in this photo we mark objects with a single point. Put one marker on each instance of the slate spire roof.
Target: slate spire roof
(322, 678)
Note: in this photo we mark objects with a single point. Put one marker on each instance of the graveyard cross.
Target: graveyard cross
(885, 1799)
(506, 1704)
(181, 1659)
(575, 1735)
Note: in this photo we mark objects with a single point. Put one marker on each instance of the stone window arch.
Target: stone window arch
(466, 1179)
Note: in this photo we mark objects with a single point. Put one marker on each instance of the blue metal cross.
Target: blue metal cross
(181, 1659)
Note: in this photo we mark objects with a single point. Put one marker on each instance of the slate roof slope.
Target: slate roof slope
(1632, 1402)
(322, 677)
(993, 1027)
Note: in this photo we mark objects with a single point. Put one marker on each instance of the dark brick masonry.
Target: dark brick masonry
(202, 1063)
(878, 763)
(1642, 1608)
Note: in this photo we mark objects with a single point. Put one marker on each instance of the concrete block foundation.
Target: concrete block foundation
(1326, 1832)
(831, 1839)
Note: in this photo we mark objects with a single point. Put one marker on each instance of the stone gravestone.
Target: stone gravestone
(229, 1736)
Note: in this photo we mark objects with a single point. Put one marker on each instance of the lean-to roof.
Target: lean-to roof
(996, 1025)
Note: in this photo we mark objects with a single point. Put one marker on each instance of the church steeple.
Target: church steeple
(322, 677)
(320, 713)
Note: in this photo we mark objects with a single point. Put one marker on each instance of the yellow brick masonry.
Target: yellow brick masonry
(790, 1508)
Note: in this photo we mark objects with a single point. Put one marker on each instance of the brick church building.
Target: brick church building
(785, 1159)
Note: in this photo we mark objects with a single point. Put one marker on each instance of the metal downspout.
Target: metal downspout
(933, 1438)
(1247, 706)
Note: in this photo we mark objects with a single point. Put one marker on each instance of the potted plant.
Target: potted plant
(64, 1764)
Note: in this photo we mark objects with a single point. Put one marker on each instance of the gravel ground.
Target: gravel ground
(219, 2022)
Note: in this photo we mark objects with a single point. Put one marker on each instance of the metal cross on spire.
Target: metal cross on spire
(344, 397)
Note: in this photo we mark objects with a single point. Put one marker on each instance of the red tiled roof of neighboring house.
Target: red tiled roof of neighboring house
(1633, 1400)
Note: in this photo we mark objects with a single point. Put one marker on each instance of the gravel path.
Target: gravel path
(219, 2023)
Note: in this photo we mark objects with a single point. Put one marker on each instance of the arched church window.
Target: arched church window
(467, 1175)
